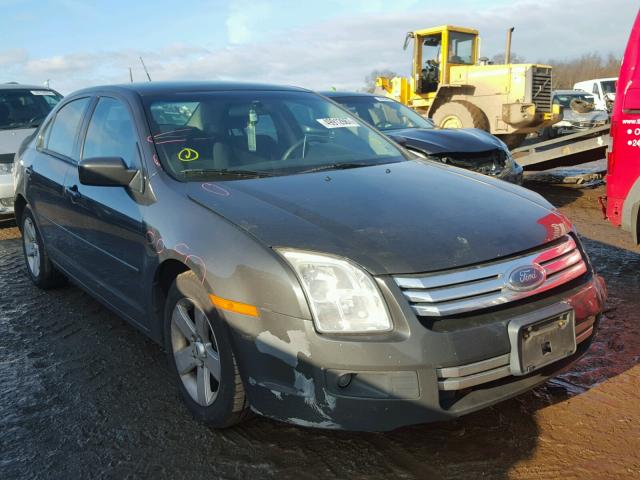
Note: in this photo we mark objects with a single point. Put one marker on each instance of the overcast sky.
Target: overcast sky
(314, 44)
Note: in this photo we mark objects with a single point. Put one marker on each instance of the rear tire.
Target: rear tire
(40, 269)
(460, 114)
(513, 140)
(200, 355)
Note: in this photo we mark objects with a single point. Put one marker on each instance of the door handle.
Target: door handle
(73, 193)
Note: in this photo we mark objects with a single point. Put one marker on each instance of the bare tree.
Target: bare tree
(499, 58)
(370, 80)
(591, 65)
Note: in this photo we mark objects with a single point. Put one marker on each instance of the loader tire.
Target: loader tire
(460, 114)
(513, 140)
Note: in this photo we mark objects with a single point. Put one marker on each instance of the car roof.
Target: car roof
(333, 93)
(571, 92)
(158, 88)
(604, 79)
(23, 86)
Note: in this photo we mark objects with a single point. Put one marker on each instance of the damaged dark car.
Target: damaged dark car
(469, 148)
(295, 262)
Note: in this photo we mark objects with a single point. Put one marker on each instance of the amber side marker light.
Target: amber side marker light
(232, 306)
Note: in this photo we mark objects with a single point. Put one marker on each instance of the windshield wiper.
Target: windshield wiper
(335, 166)
(226, 171)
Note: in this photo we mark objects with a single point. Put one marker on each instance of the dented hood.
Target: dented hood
(434, 141)
(408, 217)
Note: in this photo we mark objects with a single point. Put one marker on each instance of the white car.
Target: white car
(603, 90)
(22, 109)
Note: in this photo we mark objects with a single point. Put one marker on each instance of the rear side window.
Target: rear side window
(64, 129)
(111, 133)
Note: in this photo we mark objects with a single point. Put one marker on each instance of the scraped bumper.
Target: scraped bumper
(376, 383)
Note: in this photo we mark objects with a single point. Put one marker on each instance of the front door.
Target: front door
(109, 232)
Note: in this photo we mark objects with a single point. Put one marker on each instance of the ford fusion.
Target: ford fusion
(469, 148)
(296, 263)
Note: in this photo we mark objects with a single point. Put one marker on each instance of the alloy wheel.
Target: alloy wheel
(195, 351)
(31, 247)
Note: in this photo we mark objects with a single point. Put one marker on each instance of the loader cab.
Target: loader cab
(436, 50)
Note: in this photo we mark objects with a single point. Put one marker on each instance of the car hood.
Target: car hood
(592, 116)
(434, 141)
(408, 217)
(10, 140)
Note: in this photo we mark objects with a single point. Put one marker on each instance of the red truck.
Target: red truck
(623, 177)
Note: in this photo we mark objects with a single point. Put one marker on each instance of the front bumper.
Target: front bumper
(525, 118)
(382, 382)
(6, 194)
(566, 128)
(513, 175)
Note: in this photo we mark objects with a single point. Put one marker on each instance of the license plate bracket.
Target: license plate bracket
(541, 340)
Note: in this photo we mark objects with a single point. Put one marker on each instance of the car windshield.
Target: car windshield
(565, 100)
(244, 133)
(25, 108)
(608, 86)
(383, 113)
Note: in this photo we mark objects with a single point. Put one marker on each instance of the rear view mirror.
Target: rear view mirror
(105, 172)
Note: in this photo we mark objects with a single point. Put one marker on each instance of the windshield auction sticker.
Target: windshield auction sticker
(337, 122)
(42, 92)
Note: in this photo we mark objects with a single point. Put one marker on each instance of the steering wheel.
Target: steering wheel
(292, 148)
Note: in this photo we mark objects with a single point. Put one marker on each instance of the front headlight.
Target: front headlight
(6, 168)
(343, 297)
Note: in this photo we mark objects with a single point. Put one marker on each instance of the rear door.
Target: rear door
(57, 150)
(109, 234)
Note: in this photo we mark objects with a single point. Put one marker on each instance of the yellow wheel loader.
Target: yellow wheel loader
(457, 90)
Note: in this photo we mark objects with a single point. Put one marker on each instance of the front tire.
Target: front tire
(40, 269)
(200, 356)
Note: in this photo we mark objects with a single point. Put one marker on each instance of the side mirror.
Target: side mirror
(105, 172)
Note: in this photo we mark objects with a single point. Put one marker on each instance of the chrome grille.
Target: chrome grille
(483, 286)
(541, 89)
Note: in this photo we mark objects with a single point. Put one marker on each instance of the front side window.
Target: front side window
(111, 133)
(461, 48)
(25, 108)
(383, 113)
(64, 129)
(264, 132)
(608, 86)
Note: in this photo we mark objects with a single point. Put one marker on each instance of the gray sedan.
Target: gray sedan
(295, 262)
(22, 110)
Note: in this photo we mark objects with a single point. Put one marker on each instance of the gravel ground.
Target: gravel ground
(85, 395)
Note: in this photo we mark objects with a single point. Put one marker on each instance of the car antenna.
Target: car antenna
(130, 75)
(145, 68)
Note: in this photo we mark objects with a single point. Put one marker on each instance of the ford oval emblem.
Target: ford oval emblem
(525, 278)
